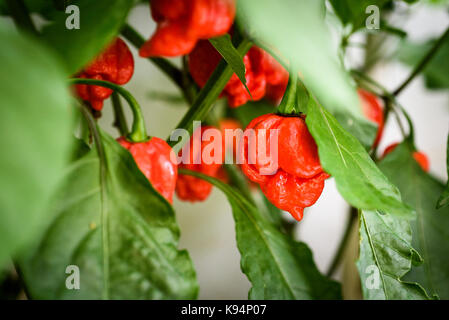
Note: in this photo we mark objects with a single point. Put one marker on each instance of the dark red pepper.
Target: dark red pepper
(181, 23)
(264, 75)
(420, 157)
(154, 159)
(372, 109)
(297, 179)
(115, 64)
(190, 188)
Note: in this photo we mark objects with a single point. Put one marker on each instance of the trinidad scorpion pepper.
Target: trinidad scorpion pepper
(181, 23)
(265, 77)
(115, 64)
(298, 180)
(372, 109)
(420, 157)
(190, 188)
(153, 159)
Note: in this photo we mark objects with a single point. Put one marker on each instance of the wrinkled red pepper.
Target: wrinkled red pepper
(190, 188)
(115, 64)
(372, 109)
(265, 77)
(181, 23)
(420, 157)
(153, 158)
(298, 179)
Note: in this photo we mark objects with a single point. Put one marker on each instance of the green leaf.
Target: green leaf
(100, 22)
(353, 12)
(299, 31)
(436, 72)
(431, 228)
(35, 125)
(358, 178)
(277, 266)
(386, 255)
(443, 201)
(232, 57)
(119, 231)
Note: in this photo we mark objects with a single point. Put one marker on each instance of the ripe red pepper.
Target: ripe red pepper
(181, 23)
(298, 178)
(153, 159)
(420, 157)
(264, 75)
(372, 109)
(115, 64)
(190, 188)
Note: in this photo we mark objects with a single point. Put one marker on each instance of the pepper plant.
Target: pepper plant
(87, 215)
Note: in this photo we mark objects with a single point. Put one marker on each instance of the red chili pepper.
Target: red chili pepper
(372, 109)
(297, 179)
(181, 23)
(264, 75)
(190, 188)
(420, 157)
(115, 64)
(154, 160)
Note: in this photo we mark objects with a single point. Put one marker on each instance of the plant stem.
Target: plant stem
(138, 131)
(424, 61)
(210, 92)
(164, 65)
(341, 248)
(19, 13)
(288, 103)
(119, 120)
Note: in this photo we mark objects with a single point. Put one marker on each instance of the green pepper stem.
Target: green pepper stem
(138, 132)
(288, 103)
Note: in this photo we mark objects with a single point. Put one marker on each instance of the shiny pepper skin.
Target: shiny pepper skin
(115, 64)
(264, 75)
(190, 188)
(420, 157)
(372, 109)
(154, 160)
(181, 23)
(298, 180)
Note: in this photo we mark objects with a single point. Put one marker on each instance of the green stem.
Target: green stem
(164, 65)
(138, 131)
(210, 92)
(288, 103)
(424, 61)
(19, 13)
(353, 213)
(390, 100)
(119, 120)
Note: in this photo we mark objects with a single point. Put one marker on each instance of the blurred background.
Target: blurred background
(207, 228)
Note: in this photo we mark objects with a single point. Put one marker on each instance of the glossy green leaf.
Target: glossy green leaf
(35, 126)
(232, 57)
(430, 230)
(358, 178)
(386, 255)
(299, 31)
(100, 22)
(109, 222)
(443, 201)
(277, 266)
